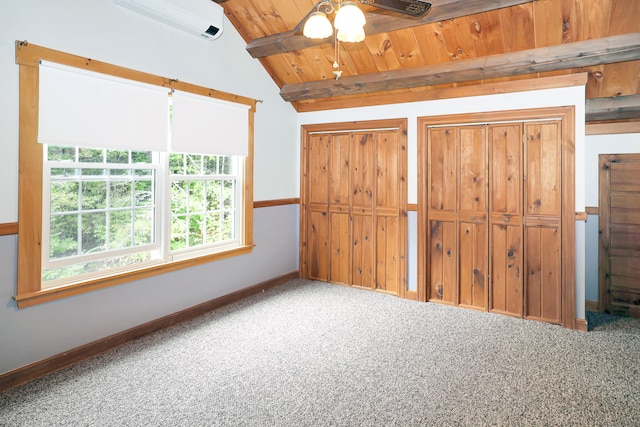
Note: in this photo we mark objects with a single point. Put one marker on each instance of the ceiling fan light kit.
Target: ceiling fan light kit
(349, 21)
(317, 26)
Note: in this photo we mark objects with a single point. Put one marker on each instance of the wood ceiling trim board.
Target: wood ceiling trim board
(376, 23)
(429, 94)
(621, 79)
(614, 108)
(572, 55)
(517, 28)
(547, 23)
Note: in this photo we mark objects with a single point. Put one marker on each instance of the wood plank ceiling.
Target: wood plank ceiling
(400, 55)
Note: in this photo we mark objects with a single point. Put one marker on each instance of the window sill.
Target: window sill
(52, 294)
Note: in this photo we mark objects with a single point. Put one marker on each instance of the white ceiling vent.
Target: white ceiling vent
(202, 18)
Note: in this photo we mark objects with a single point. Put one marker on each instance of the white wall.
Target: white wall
(596, 145)
(571, 96)
(101, 30)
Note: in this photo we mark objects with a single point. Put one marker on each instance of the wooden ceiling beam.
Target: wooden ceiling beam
(614, 108)
(377, 22)
(605, 50)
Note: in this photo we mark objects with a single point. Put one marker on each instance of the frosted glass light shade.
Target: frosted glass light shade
(317, 26)
(352, 36)
(349, 17)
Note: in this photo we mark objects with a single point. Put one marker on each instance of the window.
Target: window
(110, 190)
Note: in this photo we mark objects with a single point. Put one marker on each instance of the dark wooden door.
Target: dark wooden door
(619, 217)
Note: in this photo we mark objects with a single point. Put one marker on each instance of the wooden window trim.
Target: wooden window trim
(29, 290)
(567, 116)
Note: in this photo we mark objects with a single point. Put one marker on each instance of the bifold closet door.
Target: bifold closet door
(542, 221)
(505, 217)
(319, 147)
(390, 220)
(362, 161)
(339, 210)
(355, 209)
(472, 218)
(458, 239)
(442, 252)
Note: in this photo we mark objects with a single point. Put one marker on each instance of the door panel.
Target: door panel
(506, 269)
(542, 265)
(505, 214)
(443, 282)
(340, 248)
(388, 253)
(442, 169)
(318, 262)
(542, 169)
(473, 264)
(542, 219)
(362, 249)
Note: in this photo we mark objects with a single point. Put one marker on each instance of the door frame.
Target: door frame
(345, 127)
(567, 116)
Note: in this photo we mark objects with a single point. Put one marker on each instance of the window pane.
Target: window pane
(93, 266)
(120, 229)
(64, 196)
(227, 226)
(119, 172)
(117, 156)
(121, 194)
(141, 157)
(94, 195)
(213, 195)
(143, 226)
(179, 197)
(225, 165)
(196, 227)
(227, 194)
(94, 172)
(213, 227)
(176, 164)
(64, 172)
(61, 154)
(211, 165)
(92, 155)
(94, 236)
(194, 164)
(178, 232)
(63, 238)
(144, 193)
(196, 196)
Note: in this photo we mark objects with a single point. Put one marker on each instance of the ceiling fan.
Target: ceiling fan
(349, 20)
(408, 7)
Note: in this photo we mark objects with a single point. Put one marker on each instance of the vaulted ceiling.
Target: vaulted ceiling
(457, 44)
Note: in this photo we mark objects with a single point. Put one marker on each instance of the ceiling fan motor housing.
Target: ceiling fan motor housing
(407, 7)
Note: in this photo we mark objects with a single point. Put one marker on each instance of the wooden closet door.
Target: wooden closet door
(362, 178)
(542, 221)
(339, 211)
(505, 216)
(389, 217)
(442, 267)
(319, 147)
(472, 218)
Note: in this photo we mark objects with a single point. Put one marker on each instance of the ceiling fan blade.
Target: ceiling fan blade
(407, 7)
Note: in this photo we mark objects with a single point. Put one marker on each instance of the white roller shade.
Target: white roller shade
(205, 125)
(84, 108)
